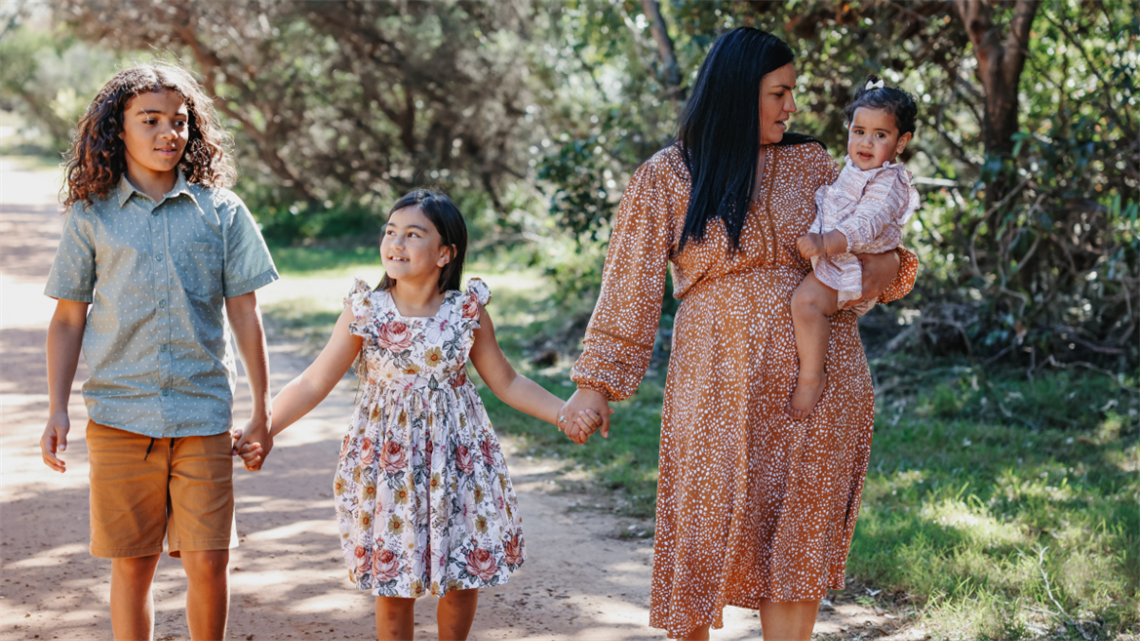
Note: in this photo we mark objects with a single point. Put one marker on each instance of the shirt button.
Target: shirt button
(166, 391)
(162, 348)
(154, 212)
(158, 257)
(162, 303)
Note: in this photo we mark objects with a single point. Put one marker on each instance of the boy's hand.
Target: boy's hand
(811, 245)
(253, 443)
(55, 439)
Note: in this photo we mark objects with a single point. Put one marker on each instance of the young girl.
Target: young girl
(423, 499)
(862, 212)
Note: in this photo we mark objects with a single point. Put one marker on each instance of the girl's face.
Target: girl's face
(412, 248)
(776, 103)
(873, 138)
(155, 132)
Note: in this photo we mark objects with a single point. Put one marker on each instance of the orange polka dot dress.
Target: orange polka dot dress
(751, 505)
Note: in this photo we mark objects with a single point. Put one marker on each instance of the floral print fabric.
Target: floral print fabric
(423, 499)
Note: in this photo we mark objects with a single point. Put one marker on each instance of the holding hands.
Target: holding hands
(586, 412)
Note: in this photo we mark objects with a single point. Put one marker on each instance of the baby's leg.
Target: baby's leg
(812, 305)
(395, 618)
(455, 613)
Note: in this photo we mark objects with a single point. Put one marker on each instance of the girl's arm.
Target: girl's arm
(64, 341)
(306, 391)
(511, 387)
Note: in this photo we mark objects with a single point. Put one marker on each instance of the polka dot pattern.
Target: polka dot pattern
(156, 342)
(750, 504)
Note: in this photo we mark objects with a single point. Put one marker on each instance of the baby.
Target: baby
(861, 213)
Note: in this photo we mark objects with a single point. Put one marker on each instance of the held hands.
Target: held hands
(253, 443)
(55, 439)
(811, 245)
(586, 412)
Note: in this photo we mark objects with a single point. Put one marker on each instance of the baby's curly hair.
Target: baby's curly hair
(96, 161)
(892, 100)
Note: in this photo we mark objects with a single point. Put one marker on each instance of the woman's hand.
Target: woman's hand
(879, 271)
(585, 403)
(811, 245)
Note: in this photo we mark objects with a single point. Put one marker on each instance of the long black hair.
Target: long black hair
(720, 129)
(452, 231)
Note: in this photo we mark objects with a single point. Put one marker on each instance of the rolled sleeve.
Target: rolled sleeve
(72, 274)
(248, 264)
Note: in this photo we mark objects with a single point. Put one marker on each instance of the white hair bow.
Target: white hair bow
(877, 84)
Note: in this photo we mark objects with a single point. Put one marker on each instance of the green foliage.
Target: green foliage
(48, 78)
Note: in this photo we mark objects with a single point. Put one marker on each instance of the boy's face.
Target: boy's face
(156, 128)
(873, 138)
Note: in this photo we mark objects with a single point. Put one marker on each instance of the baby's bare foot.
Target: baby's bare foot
(808, 390)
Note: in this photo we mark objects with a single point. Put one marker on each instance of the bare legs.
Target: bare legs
(395, 616)
(780, 621)
(208, 593)
(813, 303)
(207, 597)
(788, 621)
(132, 608)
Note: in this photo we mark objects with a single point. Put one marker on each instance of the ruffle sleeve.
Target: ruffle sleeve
(619, 339)
(359, 300)
(477, 294)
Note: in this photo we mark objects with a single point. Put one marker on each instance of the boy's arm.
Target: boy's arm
(64, 342)
(245, 319)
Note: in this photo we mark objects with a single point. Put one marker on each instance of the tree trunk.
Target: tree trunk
(1000, 62)
(671, 71)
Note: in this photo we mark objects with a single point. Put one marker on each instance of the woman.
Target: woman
(753, 509)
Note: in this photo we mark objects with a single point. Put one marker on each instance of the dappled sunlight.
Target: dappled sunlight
(972, 521)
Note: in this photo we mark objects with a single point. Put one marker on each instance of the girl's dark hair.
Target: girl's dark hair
(892, 100)
(452, 230)
(720, 129)
(96, 161)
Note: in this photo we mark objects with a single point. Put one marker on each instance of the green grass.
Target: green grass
(986, 494)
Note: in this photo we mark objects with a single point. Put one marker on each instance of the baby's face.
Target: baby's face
(873, 138)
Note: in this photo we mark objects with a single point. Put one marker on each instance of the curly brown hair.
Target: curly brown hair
(96, 161)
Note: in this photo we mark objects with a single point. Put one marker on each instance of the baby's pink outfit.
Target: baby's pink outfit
(869, 207)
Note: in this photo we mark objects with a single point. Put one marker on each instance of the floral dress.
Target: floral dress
(423, 499)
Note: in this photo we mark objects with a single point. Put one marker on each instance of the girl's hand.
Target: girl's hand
(811, 245)
(581, 401)
(879, 271)
(55, 439)
(581, 426)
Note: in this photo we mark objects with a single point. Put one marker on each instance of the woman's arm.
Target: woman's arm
(511, 387)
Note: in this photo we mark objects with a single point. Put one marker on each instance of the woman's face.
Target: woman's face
(776, 103)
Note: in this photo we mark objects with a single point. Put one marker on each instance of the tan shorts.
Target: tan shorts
(143, 489)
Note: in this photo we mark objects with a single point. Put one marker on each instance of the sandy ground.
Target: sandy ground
(581, 581)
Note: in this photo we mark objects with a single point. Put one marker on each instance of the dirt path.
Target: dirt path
(580, 581)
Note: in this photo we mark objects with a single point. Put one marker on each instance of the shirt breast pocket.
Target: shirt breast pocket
(202, 269)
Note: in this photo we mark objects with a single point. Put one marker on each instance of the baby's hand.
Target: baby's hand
(811, 245)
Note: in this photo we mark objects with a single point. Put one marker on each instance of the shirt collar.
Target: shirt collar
(181, 186)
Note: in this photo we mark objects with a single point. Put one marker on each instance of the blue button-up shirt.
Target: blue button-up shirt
(157, 275)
